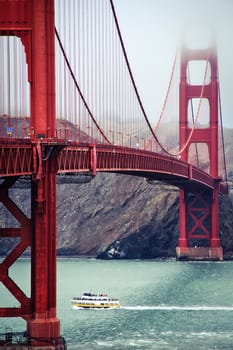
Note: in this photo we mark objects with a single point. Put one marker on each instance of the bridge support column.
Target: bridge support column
(215, 249)
(33, 22)
(182, 248)
(199, 236)
(38, 233)
(43, 323)
(182, 224)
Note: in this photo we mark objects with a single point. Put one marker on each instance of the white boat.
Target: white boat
(94, 301)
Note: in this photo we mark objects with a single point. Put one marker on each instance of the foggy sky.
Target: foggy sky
(151, 30)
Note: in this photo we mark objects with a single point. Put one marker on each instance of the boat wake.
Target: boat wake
(166, 307)
(174, 307)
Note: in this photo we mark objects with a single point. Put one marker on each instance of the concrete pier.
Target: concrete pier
(21, 341)
(199, 253)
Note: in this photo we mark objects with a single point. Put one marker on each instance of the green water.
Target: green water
(165, 304)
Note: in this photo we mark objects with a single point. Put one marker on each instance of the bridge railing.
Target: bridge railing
(21, 157)
(125, 158)
(201, 176)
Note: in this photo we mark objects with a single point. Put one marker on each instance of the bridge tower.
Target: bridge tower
(33, 22)
(199, 227)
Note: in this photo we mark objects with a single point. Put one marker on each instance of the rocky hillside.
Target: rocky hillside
(116, 216)
(113, 209)
(125, 217)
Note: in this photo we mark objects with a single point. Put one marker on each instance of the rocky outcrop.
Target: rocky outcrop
(226, 225)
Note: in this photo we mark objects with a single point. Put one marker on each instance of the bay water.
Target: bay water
(164, 304)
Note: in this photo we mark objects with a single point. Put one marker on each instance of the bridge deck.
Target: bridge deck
(20, 157)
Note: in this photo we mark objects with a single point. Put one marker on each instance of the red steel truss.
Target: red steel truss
(77, 158)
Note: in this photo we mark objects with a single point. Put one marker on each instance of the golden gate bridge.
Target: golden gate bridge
(69, 104)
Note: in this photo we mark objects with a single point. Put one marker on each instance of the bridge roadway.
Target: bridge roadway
(20, 157)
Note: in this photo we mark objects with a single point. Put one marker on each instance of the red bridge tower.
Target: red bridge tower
(199, 228)
(33, 22)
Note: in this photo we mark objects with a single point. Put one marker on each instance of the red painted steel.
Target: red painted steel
(16, 159)
(199, 209)
(43, 70)
(33, 22)
(26, 159)
(79, 159)
(43, 322)
(23, 232)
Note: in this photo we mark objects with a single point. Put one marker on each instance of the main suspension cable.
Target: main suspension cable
(198, 109)
(130, 71)
(193, 120)
(78, 88)
(164, 103)
(222, 134)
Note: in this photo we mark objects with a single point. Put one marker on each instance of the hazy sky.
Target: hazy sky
(151, 31)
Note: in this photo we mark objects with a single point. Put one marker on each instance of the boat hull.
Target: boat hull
(94, 301)
(96, 306)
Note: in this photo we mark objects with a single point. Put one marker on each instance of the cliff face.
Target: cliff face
(116, 216)
(116, 208)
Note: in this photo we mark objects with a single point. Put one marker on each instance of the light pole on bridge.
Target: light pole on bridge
(144, 142)
(122, 137)
(129, 136)
(111, 132)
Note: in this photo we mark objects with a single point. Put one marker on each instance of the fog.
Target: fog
(152, 29)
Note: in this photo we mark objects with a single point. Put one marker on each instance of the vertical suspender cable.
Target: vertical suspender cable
(79, 67)
(130, 71)
(69, 47)
(3, 82)
(78, 88)
(75, 66)
(8, 82)
(95, 77)
(222, 134)
(193, 120)
(16, 73)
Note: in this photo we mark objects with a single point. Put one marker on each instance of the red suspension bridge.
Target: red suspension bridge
(69, 104)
